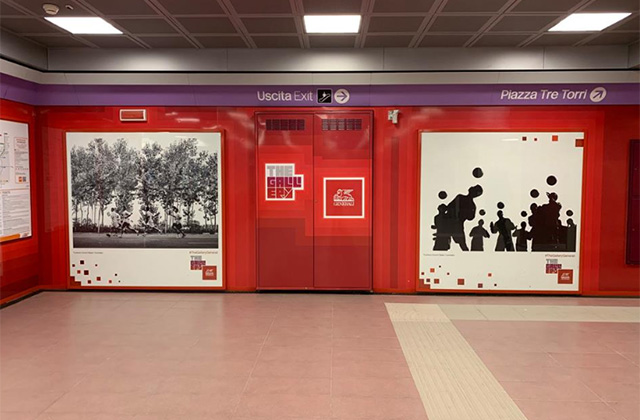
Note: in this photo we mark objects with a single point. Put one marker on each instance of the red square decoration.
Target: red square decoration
(565, 276)
(209, 272)
(344, 198)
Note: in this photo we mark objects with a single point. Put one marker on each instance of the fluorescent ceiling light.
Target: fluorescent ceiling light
(587, 22)
(332, 24)
(84, 25)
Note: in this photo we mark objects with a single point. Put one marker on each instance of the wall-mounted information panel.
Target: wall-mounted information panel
(145, 209)
(15, 181)
(500, 211)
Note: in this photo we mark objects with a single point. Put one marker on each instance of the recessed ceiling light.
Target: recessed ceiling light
(588, 22)
(332, 24)
(84, 25)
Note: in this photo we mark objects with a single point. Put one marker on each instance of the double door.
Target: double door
(314, 201)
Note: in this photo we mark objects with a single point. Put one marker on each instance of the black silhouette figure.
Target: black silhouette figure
(571, 235)
(442, 236)
(522, 235)
(459, 210)
(503, 228)
(546, 226)
(478, 233)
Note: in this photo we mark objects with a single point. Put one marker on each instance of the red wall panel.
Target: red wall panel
(395, 173)
(19, 259)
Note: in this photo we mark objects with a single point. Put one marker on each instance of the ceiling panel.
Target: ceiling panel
(29, 26)
(613, 6)
(6, 10)
(399, 6)
(615, 38)
(629, 24)
(395, 24)
(122, 7)
(444, 40)
(474, 5)
(269, 25)
(522, 23)
(146, 26)
(458, 23)
(166, 41)
(111, 41)
(388, 41)
(222, 41)
(261, 6)
(559, 40)
(208, 25)
(332, 6)
(500, 40)
(545, 5)
(327, 41)
(57, 41)
(35, 6)
(276, 41)
(191, 7)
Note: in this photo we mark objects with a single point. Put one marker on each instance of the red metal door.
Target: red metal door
(285, 201)
(342, 216)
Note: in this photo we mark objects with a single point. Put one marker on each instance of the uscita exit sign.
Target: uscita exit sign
(127, 115)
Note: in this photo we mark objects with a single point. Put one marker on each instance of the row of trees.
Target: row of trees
(109, 178)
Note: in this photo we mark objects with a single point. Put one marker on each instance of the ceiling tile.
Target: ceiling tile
(630, 24)
(222, 41)
(57, 41)
(613, 6)
(111, 41)
(210, 25)
(458, 23)
(379, 41)
(29, 26)
(122, 7)
(6, 10)
(277, 41)
(192, 7)
(545, 5)
(500, 40)
(398, 6)
(35, 6)
(166, 41)
(613, 38)
(395, 24)
(329, 41)
(269, 25)
(559, 40)
(444, 40)
(261, 6)
(146, 26)
(473, 5)
(332, 6)
(522, 23)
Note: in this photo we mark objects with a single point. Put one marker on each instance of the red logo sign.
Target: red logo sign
(209, 272)
(282, 182)
(565, 276)
(343, 198)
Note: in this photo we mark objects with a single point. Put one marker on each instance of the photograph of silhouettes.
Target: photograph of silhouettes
(151, 190)
(500, 210)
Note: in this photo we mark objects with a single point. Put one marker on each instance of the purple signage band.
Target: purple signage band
(19, 90)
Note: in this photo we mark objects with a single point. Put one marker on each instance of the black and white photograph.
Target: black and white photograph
(143, 190)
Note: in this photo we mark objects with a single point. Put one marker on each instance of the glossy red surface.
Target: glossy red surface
(395, 182)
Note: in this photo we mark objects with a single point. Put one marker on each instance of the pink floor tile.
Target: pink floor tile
(567, 390)
(588, 360)
(284, 405)
(397, 387)
(628, 410)
(564, 410)
(277, 368)
(370, 368)
(289, 385)
(375, 408)
(615, 391)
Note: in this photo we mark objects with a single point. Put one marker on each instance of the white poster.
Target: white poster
(145, 209)
(500, 211)
(15, 181)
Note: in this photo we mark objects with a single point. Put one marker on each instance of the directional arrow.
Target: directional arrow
(342, 96)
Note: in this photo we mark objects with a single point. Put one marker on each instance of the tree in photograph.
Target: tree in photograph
(102, 178)
(126, 176)
(210, 194)
(149, 187)
(172, 177)
(80, 166)
(194, 183)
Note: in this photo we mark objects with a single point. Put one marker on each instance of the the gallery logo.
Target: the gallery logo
(552, 266)
(282, 182)
(343, 197)
(197, 262)
(598, 94)
(209, 272)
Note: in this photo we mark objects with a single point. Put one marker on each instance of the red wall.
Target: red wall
(396, 166)
(19, 259)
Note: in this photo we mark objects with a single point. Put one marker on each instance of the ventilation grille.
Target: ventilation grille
(342, 124)
(285, 125)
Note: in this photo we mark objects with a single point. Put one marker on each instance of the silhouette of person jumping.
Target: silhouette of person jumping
(442, 236)
(478, 233)
(503, 228)
(522, 235)
(459, 210)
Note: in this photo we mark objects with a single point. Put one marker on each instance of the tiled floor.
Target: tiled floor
(304, 356)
